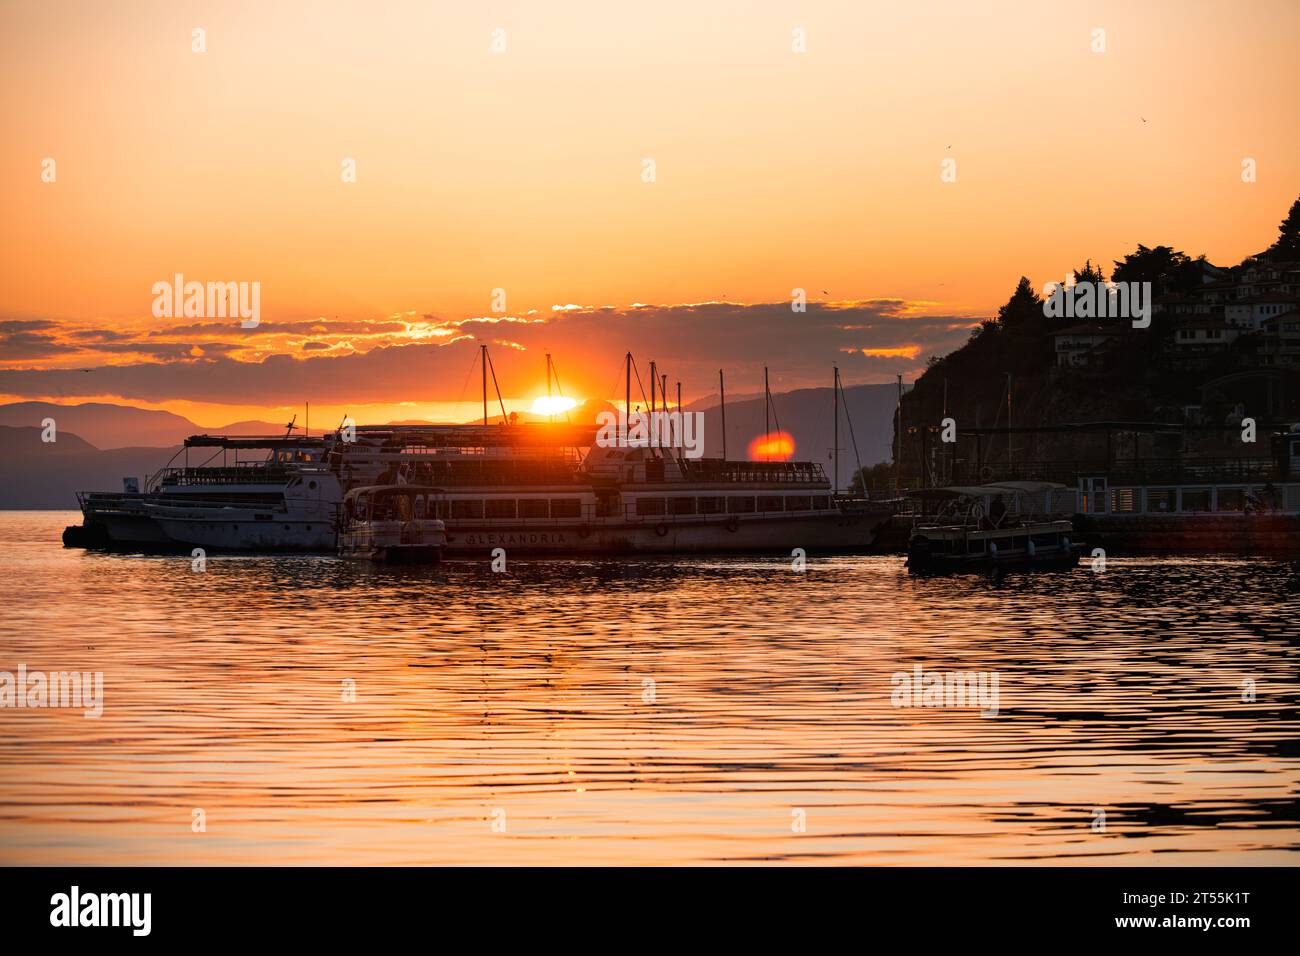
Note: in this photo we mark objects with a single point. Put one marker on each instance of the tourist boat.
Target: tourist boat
(284, 499)
(531, 487)
(394, 524)
(973, 530)
(541, 488)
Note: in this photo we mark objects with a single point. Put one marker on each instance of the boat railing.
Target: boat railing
(1136, 471)
(263, 473)
(715, 470)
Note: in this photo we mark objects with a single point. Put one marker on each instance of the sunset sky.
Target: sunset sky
(522, 170)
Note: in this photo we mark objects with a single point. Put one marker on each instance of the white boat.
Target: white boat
(533, 488)
(285, 499)
(393, 524)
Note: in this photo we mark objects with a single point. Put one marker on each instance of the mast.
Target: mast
(767, 411)
(483, 361)
(722, 395)
(654, 377)
(548, 374)
(835, 441)
(627, 399)
(898, 457)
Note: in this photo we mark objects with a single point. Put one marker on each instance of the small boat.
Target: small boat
(969, 535)
(395, 524)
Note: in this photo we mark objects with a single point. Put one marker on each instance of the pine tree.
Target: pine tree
(1089, 273)
(1024, 310)
(1287, 247)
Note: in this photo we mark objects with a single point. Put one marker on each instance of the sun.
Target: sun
(552, 405)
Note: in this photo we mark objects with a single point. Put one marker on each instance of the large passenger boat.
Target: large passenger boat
(531, 488)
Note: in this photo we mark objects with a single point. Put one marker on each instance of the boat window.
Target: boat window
(821, 502)
(464, 508)
(770, 503)
(798, 502)
(712, 505)
(533, 508)
(566, 508)
(1161, 499)
(649, 506)
(1123, 500)
(1196, 499)
(740, 504)
(1230, 499)
(500, 507)
(681, 506)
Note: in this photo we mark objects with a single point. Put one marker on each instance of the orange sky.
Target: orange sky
(522, 170)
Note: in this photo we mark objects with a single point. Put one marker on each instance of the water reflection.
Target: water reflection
(649, 711)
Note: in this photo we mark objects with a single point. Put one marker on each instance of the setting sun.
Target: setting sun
(552, 405)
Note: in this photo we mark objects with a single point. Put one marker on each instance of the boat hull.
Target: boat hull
(396, 553)
(812, 533)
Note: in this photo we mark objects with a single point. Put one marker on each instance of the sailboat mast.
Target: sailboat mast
(627, 398)
(767, 412)
(898, 457)
(483, 361)
(835, 440)
(722, 396)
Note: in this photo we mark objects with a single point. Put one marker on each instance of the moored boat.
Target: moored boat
(393, 524)
(969, 535)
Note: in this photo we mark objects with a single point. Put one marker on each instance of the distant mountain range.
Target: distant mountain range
(106, 426)
(36, 474)
(99, 444)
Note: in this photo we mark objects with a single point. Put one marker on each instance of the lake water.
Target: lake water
(646, 711)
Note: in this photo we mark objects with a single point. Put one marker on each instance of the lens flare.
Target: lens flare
(552, 405)
(778, 446)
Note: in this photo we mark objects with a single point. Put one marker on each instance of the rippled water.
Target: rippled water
(646, 711)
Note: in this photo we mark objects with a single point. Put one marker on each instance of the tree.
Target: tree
(1287, 247)
(1023, 311)
(1089, 273)
(1167, 269)
(879, 477)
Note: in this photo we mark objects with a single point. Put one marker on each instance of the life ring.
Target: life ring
(986, 473)
(661, 529)
(733, 523)
(584, 531)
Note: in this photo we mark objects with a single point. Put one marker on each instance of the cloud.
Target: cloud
(424, 358)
